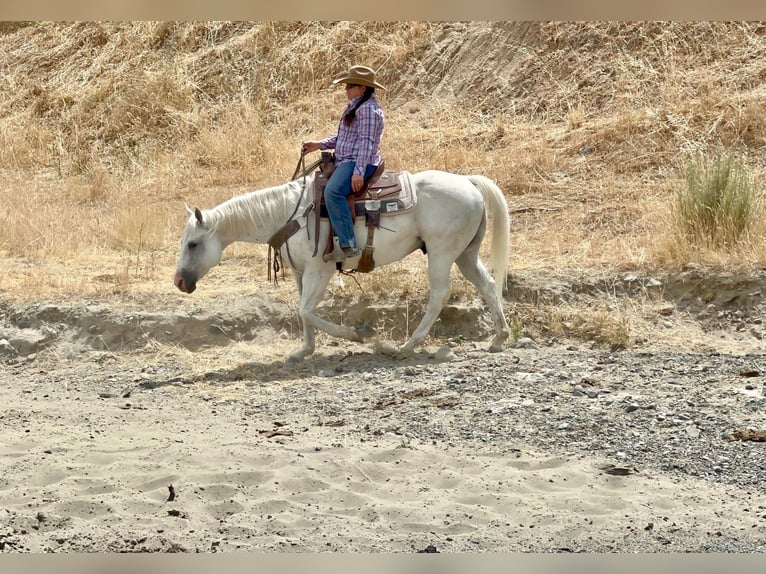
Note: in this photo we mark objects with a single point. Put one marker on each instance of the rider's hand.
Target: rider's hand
(310, 146)
(356, 182)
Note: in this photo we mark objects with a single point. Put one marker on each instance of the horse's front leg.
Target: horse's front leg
(308, 344)
(312, 289)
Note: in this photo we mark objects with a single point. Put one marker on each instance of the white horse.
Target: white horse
(448, 222)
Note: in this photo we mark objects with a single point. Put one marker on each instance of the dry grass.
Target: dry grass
(106, 129)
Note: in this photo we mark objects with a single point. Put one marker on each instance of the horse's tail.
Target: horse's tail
(497, 207)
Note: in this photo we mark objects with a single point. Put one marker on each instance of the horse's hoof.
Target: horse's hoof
(366, 330)
(497, 345)
(405, 353)
(296, 357)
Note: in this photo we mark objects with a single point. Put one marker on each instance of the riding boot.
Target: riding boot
(337, 253)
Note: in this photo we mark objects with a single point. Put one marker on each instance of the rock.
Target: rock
(28, 341)
(6, 349)
(525, 343)
(385, 348)
(445, 354)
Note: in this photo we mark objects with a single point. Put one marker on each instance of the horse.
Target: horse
(448, 223)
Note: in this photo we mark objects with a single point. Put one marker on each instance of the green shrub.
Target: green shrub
(719, 202)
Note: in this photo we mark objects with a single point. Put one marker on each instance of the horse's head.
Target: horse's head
(200, 251)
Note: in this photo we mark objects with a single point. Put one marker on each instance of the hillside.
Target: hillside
(626, 89)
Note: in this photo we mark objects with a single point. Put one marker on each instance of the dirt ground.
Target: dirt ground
(179, 427)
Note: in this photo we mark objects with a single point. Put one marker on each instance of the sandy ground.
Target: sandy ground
(558, 446)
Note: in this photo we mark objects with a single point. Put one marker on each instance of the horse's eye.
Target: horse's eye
(192, 244)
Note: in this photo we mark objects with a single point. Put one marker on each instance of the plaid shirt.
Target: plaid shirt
(358, 142)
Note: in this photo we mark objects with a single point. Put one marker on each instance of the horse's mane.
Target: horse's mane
(259, 209)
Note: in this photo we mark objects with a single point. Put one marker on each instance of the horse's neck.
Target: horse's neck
(255, 216)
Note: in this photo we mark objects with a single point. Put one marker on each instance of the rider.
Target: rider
(357, 153)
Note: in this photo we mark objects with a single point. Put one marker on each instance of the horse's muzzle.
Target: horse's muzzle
(185, 281)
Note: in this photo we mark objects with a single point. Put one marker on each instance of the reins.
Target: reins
(281, 236)
(305, 170)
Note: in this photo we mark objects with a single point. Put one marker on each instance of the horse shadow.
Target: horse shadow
(319, 365)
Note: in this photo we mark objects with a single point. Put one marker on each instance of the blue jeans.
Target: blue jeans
(336, 192)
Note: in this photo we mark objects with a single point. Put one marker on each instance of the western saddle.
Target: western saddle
(385, 193)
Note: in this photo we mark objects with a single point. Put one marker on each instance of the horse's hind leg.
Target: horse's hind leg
(473, 269)
(439, 279)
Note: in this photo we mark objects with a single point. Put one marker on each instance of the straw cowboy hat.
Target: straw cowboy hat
(359, 75)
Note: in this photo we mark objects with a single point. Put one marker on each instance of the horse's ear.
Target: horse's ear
(198, 215)
(188, 209)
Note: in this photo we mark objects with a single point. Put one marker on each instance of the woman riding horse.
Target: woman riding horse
(357, 154)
